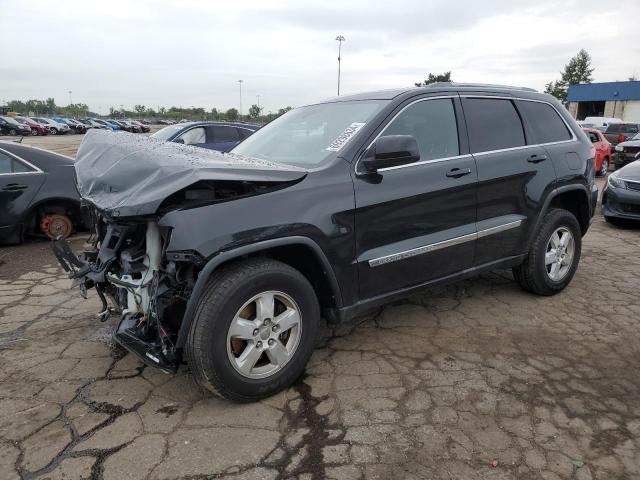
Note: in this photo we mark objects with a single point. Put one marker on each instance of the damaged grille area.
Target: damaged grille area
(126, 264)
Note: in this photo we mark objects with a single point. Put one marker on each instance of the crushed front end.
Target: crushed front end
(125, 264)
(129, 186)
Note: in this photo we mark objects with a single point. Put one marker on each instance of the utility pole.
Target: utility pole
(70, 101)
(240, 83)
(340, 39)
(259, 109)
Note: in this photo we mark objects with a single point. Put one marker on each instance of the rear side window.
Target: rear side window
(630, 128)
(244, 133)
(433, 124)
(593, 137)
(613, 128)
(546, 124)
(11, 165)
(225, 134)
(493, 124)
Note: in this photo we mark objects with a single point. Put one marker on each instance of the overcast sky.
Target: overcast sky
(184, 53)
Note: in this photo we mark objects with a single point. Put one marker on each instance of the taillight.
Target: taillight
(593, 152)
(621, 138)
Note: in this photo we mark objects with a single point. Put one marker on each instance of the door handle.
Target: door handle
(536, 158)
(14, 187)
(458, 172)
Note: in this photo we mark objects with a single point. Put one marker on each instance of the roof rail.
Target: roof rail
(480, 85)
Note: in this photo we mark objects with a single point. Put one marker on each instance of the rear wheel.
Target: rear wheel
(254, 330)
(12, 132)
(604, 168)
(53, 131)
(554, 255)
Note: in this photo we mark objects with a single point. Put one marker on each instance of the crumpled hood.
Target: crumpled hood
(127, 174)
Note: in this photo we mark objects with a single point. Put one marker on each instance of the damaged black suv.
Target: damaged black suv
(228, 261)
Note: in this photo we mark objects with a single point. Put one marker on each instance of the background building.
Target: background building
(607, 99)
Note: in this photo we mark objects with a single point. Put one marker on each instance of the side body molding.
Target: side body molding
(225, 256)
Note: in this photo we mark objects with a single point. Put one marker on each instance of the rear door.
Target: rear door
(512, 176)
(416, 222)
(19, 183)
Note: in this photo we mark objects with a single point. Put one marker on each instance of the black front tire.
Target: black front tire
(226, 292)
(532, 274)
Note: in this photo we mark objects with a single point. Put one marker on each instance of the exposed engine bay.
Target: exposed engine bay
(124, 263)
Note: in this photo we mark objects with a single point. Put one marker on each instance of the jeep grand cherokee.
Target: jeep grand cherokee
(228, 261)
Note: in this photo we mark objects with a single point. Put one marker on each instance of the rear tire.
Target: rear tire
(12, 132)
(604, 168)
(53, 131)
(219, 354)
(544, 271)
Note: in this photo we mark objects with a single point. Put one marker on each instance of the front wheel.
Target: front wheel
(12, 132)
(254, 330)
(53, 131)
(554, 255)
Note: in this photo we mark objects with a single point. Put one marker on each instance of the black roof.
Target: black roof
(43, 159)
(391, 94)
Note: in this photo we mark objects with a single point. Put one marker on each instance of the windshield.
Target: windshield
(167, 132)
(11, 121)
(636, 137)
(308, 135)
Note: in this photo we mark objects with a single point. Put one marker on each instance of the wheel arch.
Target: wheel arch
(63, 202)
(573, 198)
(299, 252)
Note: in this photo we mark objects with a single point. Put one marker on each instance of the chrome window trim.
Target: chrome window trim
(22, 160)
(566, 124)
(424, 99)
(487, 152)
(394, 257)
(423, 162)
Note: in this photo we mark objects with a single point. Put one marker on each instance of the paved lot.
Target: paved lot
(477, 380)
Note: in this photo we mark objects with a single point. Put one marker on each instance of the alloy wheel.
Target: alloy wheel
(264, 334)
(604, 168)
(560, 252)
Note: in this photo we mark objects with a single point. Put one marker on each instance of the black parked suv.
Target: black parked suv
(230, 260)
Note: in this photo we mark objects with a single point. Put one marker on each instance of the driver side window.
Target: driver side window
(193, 136)
(433, 124)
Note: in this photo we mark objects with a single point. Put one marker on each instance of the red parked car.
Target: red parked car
(36, 128)
(603, 150)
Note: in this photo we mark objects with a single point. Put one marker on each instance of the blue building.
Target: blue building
(607, 99)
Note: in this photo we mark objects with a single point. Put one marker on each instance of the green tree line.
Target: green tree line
(48, 107)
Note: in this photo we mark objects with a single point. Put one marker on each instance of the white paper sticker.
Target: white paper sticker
(344, 137)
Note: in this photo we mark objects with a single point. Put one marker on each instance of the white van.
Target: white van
(601, 123)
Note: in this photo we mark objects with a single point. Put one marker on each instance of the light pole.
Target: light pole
(340, 39)
(259, 109)
(240, 83)
(70, 101)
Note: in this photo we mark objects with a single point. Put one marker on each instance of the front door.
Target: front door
(416, 222)
(19, 183)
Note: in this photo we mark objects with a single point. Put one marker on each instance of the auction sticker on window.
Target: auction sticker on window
(344, 137)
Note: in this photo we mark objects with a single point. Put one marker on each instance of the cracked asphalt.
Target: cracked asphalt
(477, 380)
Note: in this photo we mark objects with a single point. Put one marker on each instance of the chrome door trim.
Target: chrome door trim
(500, 228)
(394, 257)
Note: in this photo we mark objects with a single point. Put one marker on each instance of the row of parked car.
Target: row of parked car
(20, 125)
